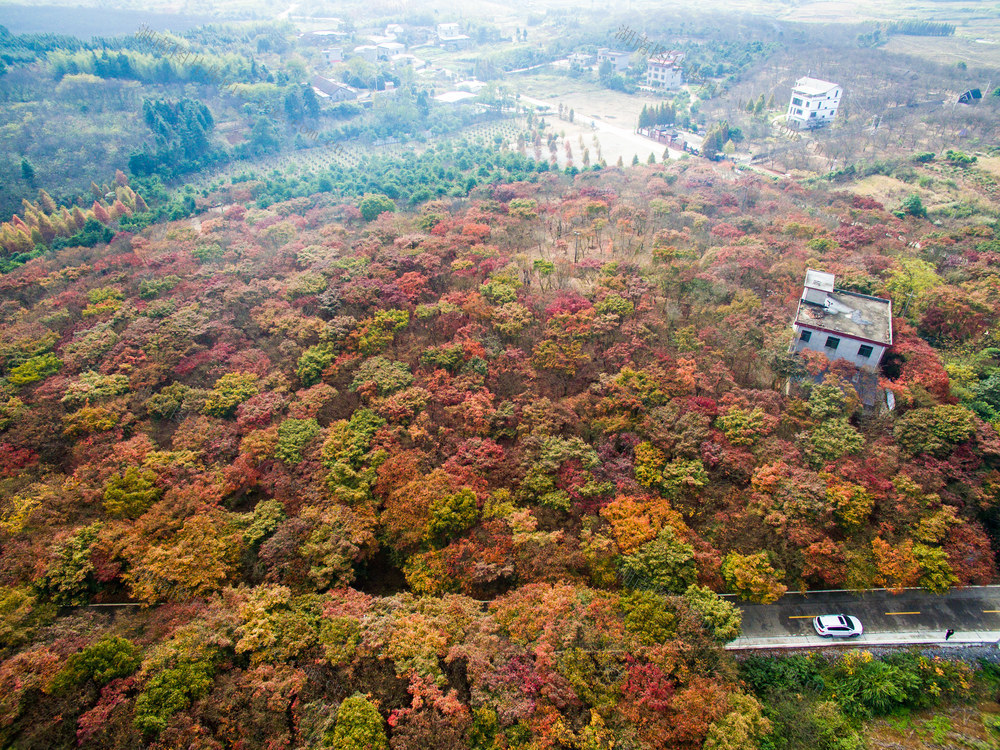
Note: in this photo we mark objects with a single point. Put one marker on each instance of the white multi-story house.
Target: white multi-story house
(618, 60)
(841, 324)
(664, 71)
(814, 103)
(450, 37)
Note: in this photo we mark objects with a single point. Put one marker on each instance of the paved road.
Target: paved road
(914, 616)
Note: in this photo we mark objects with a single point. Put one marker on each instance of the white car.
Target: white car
(842, 626)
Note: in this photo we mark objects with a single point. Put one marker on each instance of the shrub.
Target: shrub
(913, 206)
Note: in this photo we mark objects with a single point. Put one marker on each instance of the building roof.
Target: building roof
(453, 97)
(670, 58)
(819, 280)
(849, 313)
(328, 87)
(813, 86)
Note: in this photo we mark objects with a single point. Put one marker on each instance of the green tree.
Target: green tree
(722, 619)
(170, 691)
(935, 431)
(231, 390)
(744, 727)
(34, 369)
(293, 436)
(450, 515)
(27, 171)
(913, 206)
(832, 440)
(372, 205)
(936, 574)
(664, 564)
(130, 494)
(101, 662)
(752, 577)
(359, 726)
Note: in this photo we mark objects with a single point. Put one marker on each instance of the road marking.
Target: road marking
(800, 617)
(902, 613)
(992, 611)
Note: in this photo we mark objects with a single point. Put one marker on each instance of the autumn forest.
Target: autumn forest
(473, 473)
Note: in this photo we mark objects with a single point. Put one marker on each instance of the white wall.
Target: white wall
(846, 349)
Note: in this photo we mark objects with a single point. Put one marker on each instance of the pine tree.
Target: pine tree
(126, 196)
(140, 204)
(45, 202)
(620, 162)
(78, 218)
(23, 242)
(45, 226)
(635, 159)
(100, 213)
(27, 171)
(120, 179)
(96, 190)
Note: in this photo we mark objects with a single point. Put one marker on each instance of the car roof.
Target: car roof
(829, 620)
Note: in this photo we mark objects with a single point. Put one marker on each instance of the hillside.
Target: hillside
(471, 470)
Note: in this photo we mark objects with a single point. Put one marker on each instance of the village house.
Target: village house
(333, 91)
(619, 60)
(450, 37)
(841, 324)
(333, 55)
(664, 71)
(367, 52)
(814, 104)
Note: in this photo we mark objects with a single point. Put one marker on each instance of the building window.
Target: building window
(797, 102)
(832, 342)
(865, 351)
(805, 336)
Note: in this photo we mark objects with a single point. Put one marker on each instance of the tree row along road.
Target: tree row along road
(914, 616)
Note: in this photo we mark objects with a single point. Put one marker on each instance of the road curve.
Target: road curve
(911, 617)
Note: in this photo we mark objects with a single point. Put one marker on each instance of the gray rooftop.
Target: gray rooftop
(813, 86)
(859, 315)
